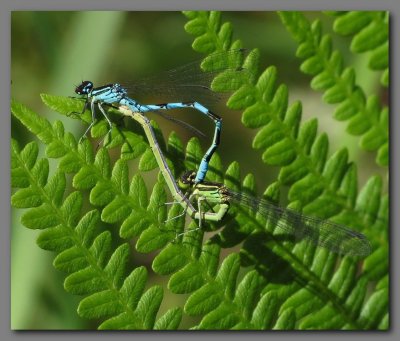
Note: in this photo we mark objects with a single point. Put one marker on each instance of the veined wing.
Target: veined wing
(335, 237)
(192, 81)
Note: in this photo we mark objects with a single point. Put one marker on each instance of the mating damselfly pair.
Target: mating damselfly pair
(201, 196)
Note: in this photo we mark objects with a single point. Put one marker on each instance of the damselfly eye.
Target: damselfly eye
(84, 88)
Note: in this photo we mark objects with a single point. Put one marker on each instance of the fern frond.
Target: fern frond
(323, 187)
(295, 147)
(84, 252)
(366, 115)
(370, 31)
(110, 188)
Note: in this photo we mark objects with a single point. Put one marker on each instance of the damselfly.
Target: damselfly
(174, 83)
(332, 236)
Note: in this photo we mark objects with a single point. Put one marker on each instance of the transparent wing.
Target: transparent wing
(193, 81)
(183, 124)
(335, 237)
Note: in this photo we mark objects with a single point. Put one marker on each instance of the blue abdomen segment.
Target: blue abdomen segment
(203, 168)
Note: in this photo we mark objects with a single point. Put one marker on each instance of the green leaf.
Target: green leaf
(255, 115)
(368, 200)
(56, 149)
(116, 266)
(157, 202)
(152, 239)
(147, 161)
(286, 320)
(123, 321)
(133, 286)
(268, 136)
(266, 83)
(280, 154)
(71, 208)
(120, 176)
(148, 306)
(69, 163)
(71, 260)
(312, 66)
(204, 43)
(376, 307)
(308, 188)
(65, 105)
(204, 300)
(351, 22)
(242, 98)
(335, 94)
(265, 311)
(55, 239)
(35, 123)
(377, 264)
(29, 154)
(116, 210)
(373, 139)
(102, 194)
(85, 281)
(134, 225)
(101, 248)
(100, 304)
(383, 155)
(322, 81)
(86, 228)
(380, 57)
(345, 110)
(26, 197)
(228, 273)
(40, 217)
(372, 36)
(195, 27)
(170, 320)
(55, 188)
(221, 318)
(138, 190)
(169, 260)
(186, 280)
(84, 178)
(247, 293)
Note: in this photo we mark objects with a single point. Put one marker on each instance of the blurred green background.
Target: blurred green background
(54, 51)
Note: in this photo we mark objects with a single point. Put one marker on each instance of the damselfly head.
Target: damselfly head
(187, 179)
(84, 88)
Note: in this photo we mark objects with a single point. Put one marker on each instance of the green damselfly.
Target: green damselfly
(332, 236)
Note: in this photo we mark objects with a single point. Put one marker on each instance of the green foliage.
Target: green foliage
(366, 115)
(370, 31)
(269, 283)
(114, 292)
